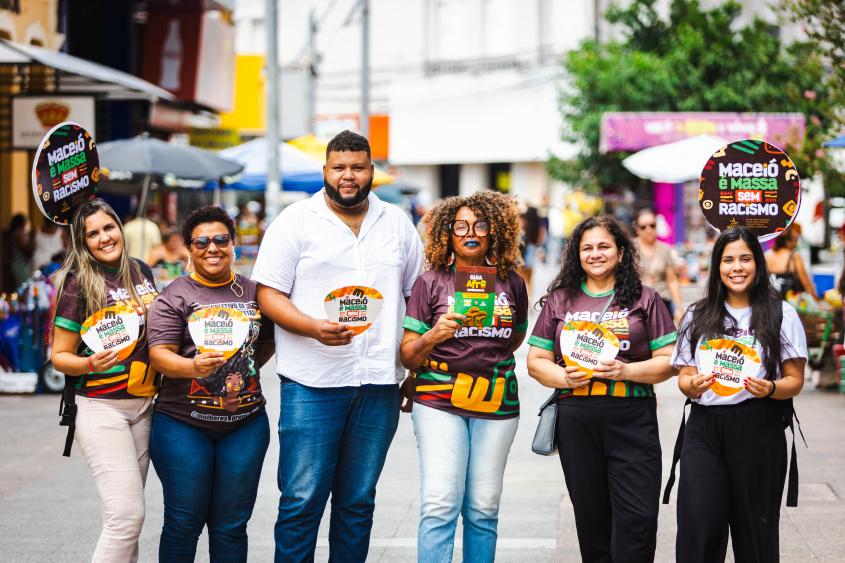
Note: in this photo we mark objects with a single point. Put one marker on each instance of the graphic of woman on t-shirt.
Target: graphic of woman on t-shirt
(233, 382)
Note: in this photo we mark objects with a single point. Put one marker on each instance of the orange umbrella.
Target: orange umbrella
(315, 147)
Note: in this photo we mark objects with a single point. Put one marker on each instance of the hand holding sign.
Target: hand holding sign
(730, 363)
(356, 307)
(219, 329)
(112, 329)
(585, 344)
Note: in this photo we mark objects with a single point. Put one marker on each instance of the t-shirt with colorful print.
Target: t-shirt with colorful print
(130, 378)
(641, 328)
(472, 374)
(230, 395)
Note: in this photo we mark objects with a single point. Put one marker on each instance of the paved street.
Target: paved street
(50, 512)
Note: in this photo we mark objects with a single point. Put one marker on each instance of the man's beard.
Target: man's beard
(352, 201)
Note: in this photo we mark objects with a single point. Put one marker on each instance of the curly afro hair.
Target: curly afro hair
(628, 285)
(206, 214)
(501, 211)
(216, 382)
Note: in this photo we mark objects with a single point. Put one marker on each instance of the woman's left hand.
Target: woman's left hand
(611, 369)
(758, 387)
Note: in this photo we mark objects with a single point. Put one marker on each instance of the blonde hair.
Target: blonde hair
(81, 264)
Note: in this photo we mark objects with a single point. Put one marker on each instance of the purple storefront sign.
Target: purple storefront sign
(629, 131)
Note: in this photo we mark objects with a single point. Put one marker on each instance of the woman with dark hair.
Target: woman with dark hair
(113, 396)
(466, 407)
(787, 267)
(733, 460)
(210, 429)
(607, 424)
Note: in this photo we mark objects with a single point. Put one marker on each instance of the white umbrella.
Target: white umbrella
(674, 163)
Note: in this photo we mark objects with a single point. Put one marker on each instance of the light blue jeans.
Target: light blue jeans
(462, 465)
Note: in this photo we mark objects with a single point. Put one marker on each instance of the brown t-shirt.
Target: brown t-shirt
(230, 395)
(643, 327)
(654, 268)
(471, 374)
(130, 378)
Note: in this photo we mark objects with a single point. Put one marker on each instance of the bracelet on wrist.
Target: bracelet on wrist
(90, 367)
(772, 392)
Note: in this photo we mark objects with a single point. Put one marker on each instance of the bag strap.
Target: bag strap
(792, 486)
(676, 456)
(556, 392)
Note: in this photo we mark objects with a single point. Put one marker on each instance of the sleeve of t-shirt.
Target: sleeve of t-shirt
(166, 324)
(414, 254)
(543, 335)
(682, 355)
(67, 315)
(278, 255)
(659, 324)
(521, 316)
(418, 314)
(792, 335)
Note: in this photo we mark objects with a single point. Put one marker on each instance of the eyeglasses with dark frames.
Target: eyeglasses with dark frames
(463, 228)
(647, 226)
(220, 241)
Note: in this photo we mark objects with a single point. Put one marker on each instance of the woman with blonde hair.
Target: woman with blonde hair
(466, 406)
(114, 396)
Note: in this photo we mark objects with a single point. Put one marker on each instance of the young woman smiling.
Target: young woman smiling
(607, 425)
(113, 396)
(210, 429)
(733, 460)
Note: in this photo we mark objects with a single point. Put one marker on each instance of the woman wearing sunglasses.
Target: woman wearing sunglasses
(210, 430)
(467, 407)
(658, 264)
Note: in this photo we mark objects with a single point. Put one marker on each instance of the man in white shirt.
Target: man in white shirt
(339, 394)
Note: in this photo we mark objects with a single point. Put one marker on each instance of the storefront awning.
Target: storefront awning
(78, 75)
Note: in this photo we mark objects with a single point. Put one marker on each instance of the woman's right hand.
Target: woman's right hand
(693, 385)
(206, 363)
(574, 378)
(102, 361)
(446, 327)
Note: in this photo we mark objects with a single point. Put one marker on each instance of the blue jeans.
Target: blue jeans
(462, 465)
(209, 478)
(332, 440)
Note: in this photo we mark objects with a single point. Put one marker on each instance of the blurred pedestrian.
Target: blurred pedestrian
(464, 439)
(171, 255)
(49, 240)
(658, 264)
(114, 396)
(733, 448)
(19, 251)
(607, 434)
(533, 235)
(339, 394)
(787, 267)
(210, 430)
(142, 235)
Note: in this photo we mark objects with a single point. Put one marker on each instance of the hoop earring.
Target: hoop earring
(451, 259)
(188, 267)
(488, 261)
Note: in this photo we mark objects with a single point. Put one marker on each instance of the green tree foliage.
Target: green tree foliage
(697, 61)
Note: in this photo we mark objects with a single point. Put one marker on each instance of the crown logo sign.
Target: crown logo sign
(51, 113)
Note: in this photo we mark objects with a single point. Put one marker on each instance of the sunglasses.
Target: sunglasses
(648, 226)
(479, 228)
(220, 241)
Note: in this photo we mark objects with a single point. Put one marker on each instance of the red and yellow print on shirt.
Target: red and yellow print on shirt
(494, 395)
(356, 306)
(585, 344)
(730, 362)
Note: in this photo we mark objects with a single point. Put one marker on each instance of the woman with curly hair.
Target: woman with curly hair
(210, 430)
(607, 424)
(467, 404)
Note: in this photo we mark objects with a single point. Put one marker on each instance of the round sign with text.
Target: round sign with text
(65, 171)
(730, 362)
(355, 306)
(750, 184)
(113, 328)
(219, 329)
(585, 344)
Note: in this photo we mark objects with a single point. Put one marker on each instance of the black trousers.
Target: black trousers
(733, 467)
(610, 452)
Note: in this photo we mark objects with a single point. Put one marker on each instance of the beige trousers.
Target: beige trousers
(114, 436)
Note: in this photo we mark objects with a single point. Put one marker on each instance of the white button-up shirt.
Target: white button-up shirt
(309, 252)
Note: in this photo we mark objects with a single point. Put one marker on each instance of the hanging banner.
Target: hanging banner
(475, 294)
(113, 328)
(585, 344)
(355, 306)
(730, 362)
(219, 329)
(750, 184)
(65, 171)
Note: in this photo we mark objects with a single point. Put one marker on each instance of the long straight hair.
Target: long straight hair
(710, 317)
(81, 264)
